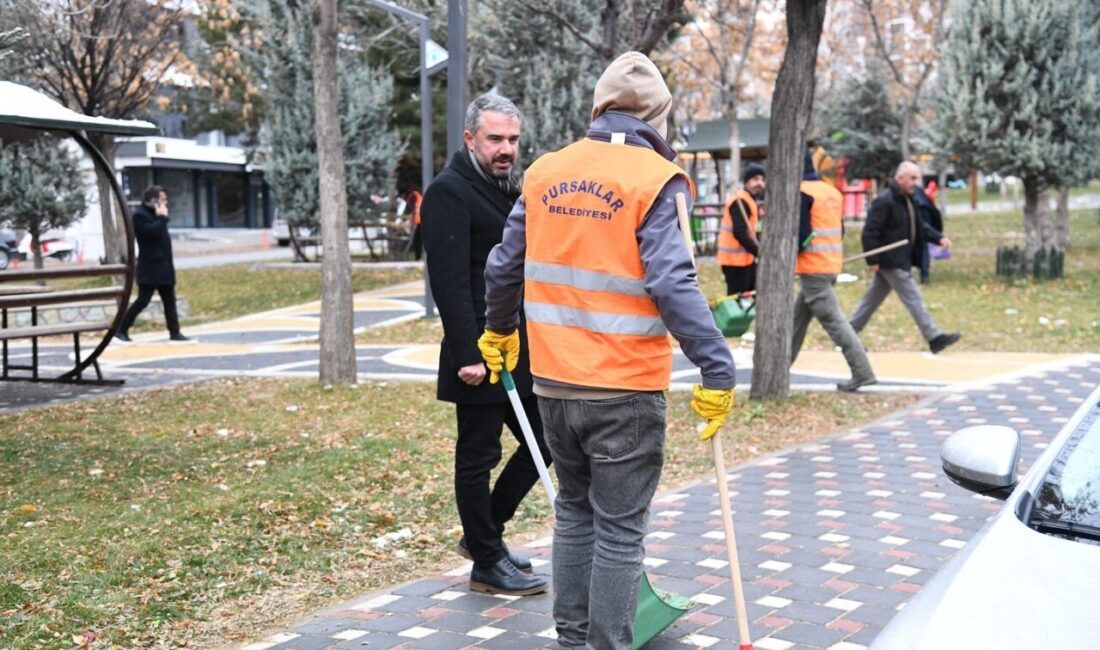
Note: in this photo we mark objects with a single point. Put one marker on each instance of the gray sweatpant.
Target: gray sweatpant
(608, 456)
(901, 281)
(817, 299)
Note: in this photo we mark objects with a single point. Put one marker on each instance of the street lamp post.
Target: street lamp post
(426, 171)
(456, 73)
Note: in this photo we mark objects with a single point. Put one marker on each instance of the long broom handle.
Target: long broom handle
(720, 474)
(876, 251)
(528, 434)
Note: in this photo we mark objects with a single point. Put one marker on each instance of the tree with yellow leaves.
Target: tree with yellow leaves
(98, 58)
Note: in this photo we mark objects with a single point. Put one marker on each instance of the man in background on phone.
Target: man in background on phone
(155, 271)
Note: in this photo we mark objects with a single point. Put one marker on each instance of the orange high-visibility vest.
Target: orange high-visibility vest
(417, 199)
(825, 252)
(730, 251)
(590, 321)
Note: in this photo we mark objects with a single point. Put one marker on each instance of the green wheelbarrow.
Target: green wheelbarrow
(657, 609)
(734, 314)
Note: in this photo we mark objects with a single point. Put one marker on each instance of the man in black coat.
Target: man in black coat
(462, 218)
(893, 217)
(155, 271)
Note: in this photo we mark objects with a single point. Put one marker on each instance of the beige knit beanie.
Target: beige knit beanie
(632, 84)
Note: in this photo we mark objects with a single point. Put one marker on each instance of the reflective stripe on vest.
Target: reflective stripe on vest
(730, 250)
(590, 321)
(825, 252)
(582, 279)
(604, 323)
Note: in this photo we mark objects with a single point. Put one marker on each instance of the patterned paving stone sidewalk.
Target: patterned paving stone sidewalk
(833, 537)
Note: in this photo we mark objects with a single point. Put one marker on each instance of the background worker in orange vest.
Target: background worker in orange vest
(413, 199)
(737, 245)
(820, 257)
(594, 253)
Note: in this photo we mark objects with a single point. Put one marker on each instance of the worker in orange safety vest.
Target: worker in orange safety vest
(820, 257)
(737, 243)
(594, 254)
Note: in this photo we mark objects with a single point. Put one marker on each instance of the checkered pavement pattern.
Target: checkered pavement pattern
(833, 539)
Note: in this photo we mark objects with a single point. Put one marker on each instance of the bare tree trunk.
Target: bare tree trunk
(735, 143)
(36, 250)
(113, 246)
(941, 197)
(337, 323)
(1038, 231)
(1061, 220)
(907, 127)
(792, 104)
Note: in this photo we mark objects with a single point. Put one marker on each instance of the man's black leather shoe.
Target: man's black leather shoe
(941, 342)
(520, 562)
(504, 578)
(123, 336)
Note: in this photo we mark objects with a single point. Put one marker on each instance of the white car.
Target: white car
(1028, 579)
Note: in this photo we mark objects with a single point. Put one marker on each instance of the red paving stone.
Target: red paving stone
(357, 614)
(845, 625)
(773, 582)
(703, 618)
(774, 621)
(839, 585)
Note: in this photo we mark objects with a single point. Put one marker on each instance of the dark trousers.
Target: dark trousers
(477, 453)
(739, 278)
(418, 243)
(145, 294)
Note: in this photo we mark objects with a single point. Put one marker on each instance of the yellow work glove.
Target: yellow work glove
(499, 350)
(712, 405)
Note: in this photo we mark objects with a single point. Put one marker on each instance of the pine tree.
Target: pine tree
(1020, 96)
(862, 125)
(546, 57)
(41, 188)
(372, 146)
(553, 86)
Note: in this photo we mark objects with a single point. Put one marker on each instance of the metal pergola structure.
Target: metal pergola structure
(26, 114)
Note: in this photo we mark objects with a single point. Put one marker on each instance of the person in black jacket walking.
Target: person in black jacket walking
(155, 271)
(893, 217)
(462, 218)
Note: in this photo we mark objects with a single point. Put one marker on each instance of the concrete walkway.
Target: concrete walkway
(283, 343)
(834, 538)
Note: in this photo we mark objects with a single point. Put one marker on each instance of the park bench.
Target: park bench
(28, 298)
(384, 238)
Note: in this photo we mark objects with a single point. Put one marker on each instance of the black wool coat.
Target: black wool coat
(462, 219)
(888, 222)
(154, 261)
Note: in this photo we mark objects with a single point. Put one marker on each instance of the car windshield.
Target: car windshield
(1069, 496)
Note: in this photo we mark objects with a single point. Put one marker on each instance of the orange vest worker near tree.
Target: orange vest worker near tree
(737, 245)
(594, 252)
(820, 258)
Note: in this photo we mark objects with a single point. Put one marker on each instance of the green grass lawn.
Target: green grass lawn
(964, 294)
(960, 197)
(222, 292)
(201, 515)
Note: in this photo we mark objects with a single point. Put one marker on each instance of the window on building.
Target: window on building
(229, 200)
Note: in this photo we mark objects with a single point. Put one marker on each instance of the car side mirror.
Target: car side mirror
(983, 459)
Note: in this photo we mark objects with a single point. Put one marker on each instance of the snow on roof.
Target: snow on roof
(23, 106)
